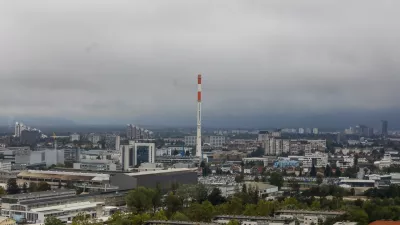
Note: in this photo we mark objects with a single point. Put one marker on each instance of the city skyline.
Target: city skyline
(263, 62)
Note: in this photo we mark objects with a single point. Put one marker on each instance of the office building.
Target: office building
(137, 153)
(384, 127)
(74, 137)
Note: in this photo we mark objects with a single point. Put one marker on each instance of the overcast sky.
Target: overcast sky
(129, 60)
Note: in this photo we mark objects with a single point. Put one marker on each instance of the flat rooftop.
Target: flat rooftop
(67, 207)
(33, 195)
(62, 175)
(162, 171)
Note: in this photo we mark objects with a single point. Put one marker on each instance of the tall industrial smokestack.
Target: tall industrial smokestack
(198, 140)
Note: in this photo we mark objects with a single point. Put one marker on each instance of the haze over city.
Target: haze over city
(264, 63)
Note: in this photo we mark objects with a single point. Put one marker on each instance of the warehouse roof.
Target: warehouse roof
(161, 172)
(63, 175)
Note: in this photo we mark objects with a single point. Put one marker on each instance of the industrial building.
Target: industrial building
(111, 181)
(62, 204)
(96, 165)
(253, 220)
(150, 179)
(98, 180)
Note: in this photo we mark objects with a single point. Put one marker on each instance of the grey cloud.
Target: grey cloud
(132, 59)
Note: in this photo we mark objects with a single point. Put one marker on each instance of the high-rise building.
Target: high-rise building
(384, 127)
(75, 137)
(136, 154)
(301, 130)
(136, 133)
(315, 130)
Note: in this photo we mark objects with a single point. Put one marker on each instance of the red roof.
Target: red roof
(384, 222)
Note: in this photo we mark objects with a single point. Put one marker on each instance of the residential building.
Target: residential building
(190, 140)
(263, 136)
(301, 130)
(5, 165)
(276, 146)
(215, 141)
(75, 137)
(315, 130)
(317, 159)
(134, 132)
(384, 127)
(263, 188)
(94, 138)
(345, 162)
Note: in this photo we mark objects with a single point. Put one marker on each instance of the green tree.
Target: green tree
(178, 216)
(139, 200)
(156, 197)
(328, 170)
(256, 179)
(338, 172)
(140, 219)
(233, 222)
(173, 204)
(32, 187)
(202, 193)
(319, 179)
(276, 179)
(52, 221)
(359, 216)
(83, 219)
(119, 219)
(43, 186)
(250, 210)
(216, 197)
(12, 186)
(201, 212)
(2, 191)
(313, 172)
(160, 215)
(266, 208)
(24, 188)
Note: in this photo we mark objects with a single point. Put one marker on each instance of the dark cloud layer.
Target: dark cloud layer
(134, 60)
